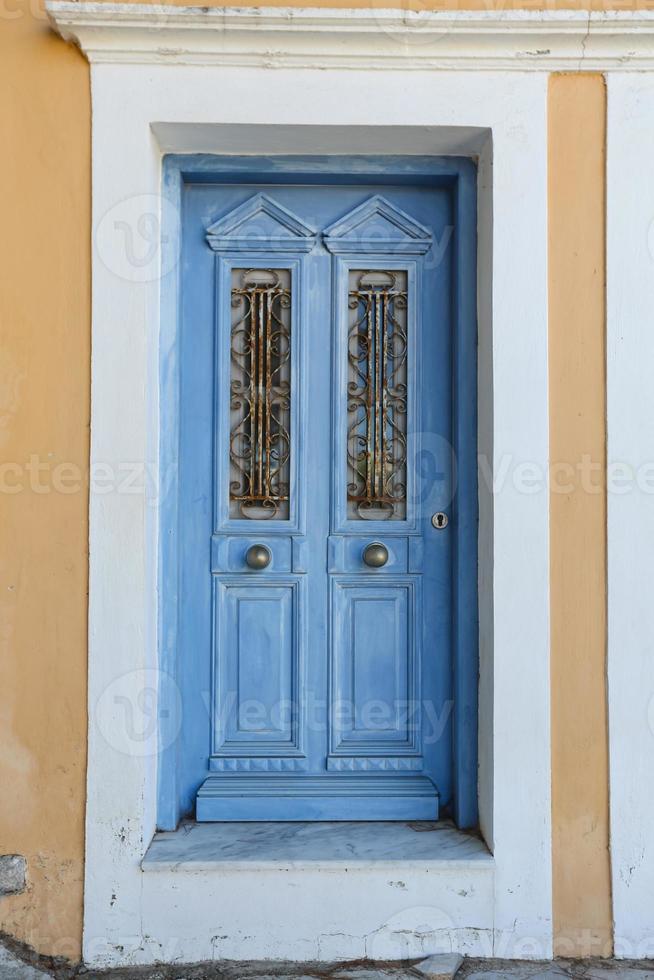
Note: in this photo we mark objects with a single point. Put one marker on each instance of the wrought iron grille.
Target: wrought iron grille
(377, 395)
(260, 394)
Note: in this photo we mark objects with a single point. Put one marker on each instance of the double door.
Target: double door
(316, 458)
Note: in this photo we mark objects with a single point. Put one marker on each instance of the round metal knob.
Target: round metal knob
(258, 556)
(375, 555)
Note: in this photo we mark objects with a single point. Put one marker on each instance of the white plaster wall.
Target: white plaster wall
(210, 105)
(630, 404)
(317, 914)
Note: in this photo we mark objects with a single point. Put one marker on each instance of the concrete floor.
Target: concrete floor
(15, 967)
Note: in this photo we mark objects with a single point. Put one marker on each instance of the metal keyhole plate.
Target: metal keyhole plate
(440, 520)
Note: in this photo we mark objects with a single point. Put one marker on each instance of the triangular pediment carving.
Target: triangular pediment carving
(377, 226)
(260, 225)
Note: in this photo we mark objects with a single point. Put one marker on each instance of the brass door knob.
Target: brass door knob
(375, 555)
(258, 556)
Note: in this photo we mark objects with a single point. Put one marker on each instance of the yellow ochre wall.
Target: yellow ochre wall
(45, 257)
(44, 419)
(580, 799)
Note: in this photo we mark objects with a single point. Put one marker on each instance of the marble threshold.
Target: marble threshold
(421, 845)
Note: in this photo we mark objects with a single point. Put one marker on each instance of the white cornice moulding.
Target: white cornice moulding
(365, 38)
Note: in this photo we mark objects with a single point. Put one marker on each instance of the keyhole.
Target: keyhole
(440, 520)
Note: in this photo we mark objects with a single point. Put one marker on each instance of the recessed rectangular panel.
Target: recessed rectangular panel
(375, 682)
(345, 553)
(230, 554)
(256, 667)
(263, 645)
(379, 660)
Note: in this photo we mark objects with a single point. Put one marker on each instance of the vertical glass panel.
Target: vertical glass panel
(377, 395)
(260, 394)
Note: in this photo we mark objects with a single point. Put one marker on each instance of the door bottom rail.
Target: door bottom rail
(332, 796)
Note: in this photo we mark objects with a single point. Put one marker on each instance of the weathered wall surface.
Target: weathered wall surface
(44, 409)
(418, 5)
(44, 413)
(580, 803)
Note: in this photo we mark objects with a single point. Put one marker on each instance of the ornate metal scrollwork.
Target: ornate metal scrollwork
(260, 394)
(377, 395)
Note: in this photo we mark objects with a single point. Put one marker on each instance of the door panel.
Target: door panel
(257, 671)
(375, 672)
(325, 314)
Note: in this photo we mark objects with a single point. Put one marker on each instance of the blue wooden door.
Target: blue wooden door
(316, 580)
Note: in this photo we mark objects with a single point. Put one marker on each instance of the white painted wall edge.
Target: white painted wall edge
(277, 37)
(630, 412)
